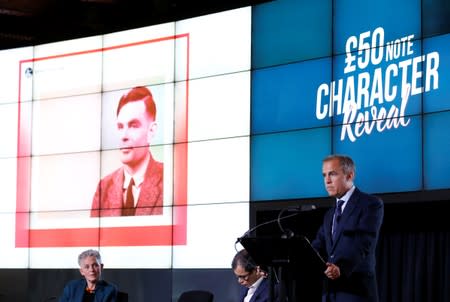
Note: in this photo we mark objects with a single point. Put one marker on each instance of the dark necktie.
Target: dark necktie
(128, 209)
(337, 217)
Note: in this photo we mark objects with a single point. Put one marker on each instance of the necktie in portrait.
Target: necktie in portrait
(128, 209)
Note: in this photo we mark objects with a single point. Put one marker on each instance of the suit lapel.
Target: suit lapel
(349, 208)
(149, 188)
(261, 288)
(117, 194)
(329, 224)
(243, 293)
(150, 199)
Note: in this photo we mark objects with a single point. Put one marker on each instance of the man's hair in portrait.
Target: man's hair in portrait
(139, 93)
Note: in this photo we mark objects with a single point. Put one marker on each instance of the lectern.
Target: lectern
(286, 260)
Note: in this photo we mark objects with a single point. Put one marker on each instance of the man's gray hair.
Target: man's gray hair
(345, 162)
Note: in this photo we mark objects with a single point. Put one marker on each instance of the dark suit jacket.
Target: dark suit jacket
(261, 294)
(74, 291)
(108, 199)
(353, 251)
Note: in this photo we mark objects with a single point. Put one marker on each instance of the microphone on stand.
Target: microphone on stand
(248, 232)
(296, 210)
(287, 233)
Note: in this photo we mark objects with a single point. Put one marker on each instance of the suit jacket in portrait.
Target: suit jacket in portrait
(108, 198)
(261, 294)
(74, 291)
(353, 250)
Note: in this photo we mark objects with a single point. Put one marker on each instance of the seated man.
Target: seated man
(256, 287)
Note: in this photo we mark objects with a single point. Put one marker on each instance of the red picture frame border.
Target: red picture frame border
(152, 235)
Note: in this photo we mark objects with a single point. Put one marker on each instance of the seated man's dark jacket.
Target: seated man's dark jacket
(261, 294)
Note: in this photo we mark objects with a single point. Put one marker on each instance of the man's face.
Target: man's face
(91, 269)
(136, 129)
(336, 182)
(245, 278)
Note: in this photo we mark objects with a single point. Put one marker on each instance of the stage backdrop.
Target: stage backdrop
(248, 103)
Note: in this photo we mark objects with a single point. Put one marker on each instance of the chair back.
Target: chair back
(196, 296)
(122, 297)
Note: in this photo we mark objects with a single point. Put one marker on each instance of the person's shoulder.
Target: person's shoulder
(113, 176)
(155, 166)
(369, 198)
(155, 162)
(159, 166)
(75, 282)
(107, 284)
(265, 283)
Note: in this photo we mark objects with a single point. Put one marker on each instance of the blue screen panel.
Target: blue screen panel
(286, 31)
(435, 17)
(437, 74)
(436, 150)
(284, 97)
(398, 18)
(387, 161)
(288, 165)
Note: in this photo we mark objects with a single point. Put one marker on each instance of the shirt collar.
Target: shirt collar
(138, 177)
(346, 197)
(257, 283)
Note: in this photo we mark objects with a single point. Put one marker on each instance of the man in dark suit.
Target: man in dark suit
(255, 286)
(348, 235)
(136, 188)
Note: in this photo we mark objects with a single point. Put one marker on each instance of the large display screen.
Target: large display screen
(76, 140)
(372, 98)
(198, 118)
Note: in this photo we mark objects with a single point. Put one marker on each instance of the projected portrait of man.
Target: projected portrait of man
(136, 188)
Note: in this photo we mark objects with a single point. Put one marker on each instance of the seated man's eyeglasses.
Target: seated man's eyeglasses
(244, 277)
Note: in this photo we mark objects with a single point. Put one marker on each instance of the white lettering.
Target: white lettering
(321, 110)
(361, 102)
(363, 124)
(363, 89)
(409, 50)
(431, 70)
(416, 75)
(336, 97)
(377, 87)
(390, 96)
(404, 70)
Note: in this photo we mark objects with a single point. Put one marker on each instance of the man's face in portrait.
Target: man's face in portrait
(136, 128)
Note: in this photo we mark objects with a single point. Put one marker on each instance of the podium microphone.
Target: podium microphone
(297, 210)
(286, 233)
(247, 234)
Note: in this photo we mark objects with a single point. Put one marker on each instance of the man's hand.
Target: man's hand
(332, 272)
